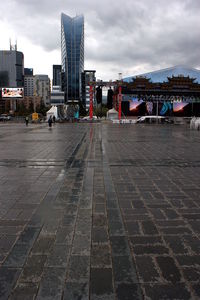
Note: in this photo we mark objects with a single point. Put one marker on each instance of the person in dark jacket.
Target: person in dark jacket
(50, 121)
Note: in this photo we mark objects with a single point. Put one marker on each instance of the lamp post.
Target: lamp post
(120, 103)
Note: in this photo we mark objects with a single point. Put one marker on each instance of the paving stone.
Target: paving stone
(79, 268)
(8, 278)
(7, 242)
(76, 291)
(58, 256)
(119, 246)
(176, 243)
(52, 283)
(149, 228)
(25, 291)
(150, 249)
(33, 269)
(123, 269)
(100, 256)
(17, 256)
(99, 235)
(126, 291)
(157, 292)
(43, 245)
(64, 235)
(188, 260)
(147, 269)
(116, 229)
(145, 240)
(29, 235)
(191, 274)
(169, 269)
(99, 220)
(101, 282)
(132, 228)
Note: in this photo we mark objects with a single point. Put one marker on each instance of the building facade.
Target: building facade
(28, 85)
(57, 96)
(42, 88)
(11, 69)
(72, 55)
(87, 77)
(56, 75)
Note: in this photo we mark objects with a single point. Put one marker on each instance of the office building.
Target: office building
(56, 75)
(72, 55)
(28, 85)
(42, 88)
(87, 77)
(11, 69)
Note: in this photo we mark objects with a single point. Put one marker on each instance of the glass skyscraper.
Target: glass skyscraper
(72, 55)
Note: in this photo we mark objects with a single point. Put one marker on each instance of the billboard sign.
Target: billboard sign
(12, 92)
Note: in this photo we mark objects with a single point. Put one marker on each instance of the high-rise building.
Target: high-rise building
(28, 85)
(56, 75)
(42, 88)
(72, 55)
(87, 77)
(11, 69)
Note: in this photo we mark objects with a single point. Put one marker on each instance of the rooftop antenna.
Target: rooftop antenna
(13, 47)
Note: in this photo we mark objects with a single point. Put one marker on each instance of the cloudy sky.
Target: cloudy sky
(128, 36)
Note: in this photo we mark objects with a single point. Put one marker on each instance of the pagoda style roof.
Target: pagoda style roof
(161, 76)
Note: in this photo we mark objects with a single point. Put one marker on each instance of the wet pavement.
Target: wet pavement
(99, 211)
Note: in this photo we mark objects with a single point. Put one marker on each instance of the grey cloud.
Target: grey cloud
(125, 34)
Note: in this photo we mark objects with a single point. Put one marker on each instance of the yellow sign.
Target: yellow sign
(35, 116)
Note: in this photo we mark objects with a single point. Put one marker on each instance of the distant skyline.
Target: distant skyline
(131, 37)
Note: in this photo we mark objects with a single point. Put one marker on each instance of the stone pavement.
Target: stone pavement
(99, 211)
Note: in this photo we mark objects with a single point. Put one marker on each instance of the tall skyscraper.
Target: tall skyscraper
(11, 69)
(72, 55)
(56, 75)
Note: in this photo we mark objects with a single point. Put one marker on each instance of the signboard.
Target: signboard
(12, 92)
(35, 116)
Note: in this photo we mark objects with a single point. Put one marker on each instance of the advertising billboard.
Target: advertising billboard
(12, 92)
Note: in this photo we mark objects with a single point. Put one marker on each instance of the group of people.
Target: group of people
(50, 120)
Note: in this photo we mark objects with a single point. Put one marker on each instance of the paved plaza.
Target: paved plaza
(99, 211)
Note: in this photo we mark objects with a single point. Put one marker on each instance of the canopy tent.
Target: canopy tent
(52, 112)
(112, 114)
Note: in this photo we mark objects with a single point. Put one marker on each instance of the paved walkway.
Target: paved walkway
(99, 212)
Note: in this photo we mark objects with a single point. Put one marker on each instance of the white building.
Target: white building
(42, 88)
(28, 85)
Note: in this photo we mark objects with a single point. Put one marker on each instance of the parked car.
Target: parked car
(5, 117)
(151, 119)
(87, 118)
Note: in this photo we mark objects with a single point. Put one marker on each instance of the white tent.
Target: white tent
(112, 114)
(52, 112)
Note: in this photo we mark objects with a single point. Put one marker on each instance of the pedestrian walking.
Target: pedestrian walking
(54, 119)
(50, 121)
(26, 120)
